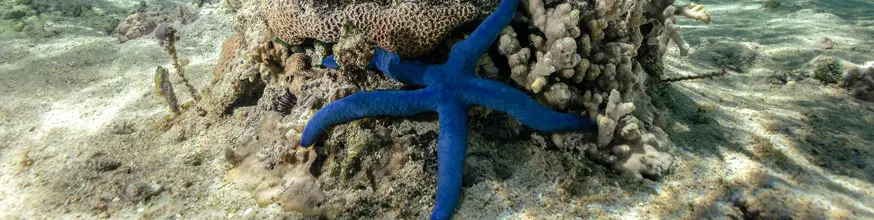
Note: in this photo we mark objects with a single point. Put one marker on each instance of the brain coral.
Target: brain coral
(408, 29)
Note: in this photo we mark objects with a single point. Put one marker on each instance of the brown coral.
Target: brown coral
(407, 29)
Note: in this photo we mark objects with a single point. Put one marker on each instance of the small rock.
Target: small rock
(102, 162)
(827, 70)
(98, 11)
(122, 128)
(825, 43)
(140, 191)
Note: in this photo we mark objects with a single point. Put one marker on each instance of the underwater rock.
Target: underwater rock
(825, 43)
(135, 26)
(139, 191)
(771, 4)
(827, 70)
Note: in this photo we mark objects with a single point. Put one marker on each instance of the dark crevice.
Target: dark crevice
(249, 94)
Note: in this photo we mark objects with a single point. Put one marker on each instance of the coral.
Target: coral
(135, 26)
(556, 52)
(167, 37)
(614, 112)
(262, 57)
(827, 70)
(231, 86)
(580, 75)
(621, 142)
(581, 52)
(276, 172)
(164, 89)
(664, 12)
(450, 89)
(637, 152)
(860, 82)
(407, 29)
(298, 62)
(353, 51)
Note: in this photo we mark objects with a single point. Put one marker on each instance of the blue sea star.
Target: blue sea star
(449, 89)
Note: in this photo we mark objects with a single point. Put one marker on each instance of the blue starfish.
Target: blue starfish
(449, 89)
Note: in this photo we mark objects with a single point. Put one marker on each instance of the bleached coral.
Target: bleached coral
(556, 51)
(620, 134)
(585, 59)
(666, 14)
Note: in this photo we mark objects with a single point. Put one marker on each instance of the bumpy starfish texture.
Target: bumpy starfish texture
(449, 89)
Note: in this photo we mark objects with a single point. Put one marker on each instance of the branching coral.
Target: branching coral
(407, 29)
(665, 12)
(635, 152)
(556, 52)
(583, 54)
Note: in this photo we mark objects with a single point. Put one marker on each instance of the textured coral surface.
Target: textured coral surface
(409, 29)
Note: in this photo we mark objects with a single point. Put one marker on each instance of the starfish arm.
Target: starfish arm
(367, 104)
(501, 97)
(451, 151)
(409, 72)
(330, 63)
(467, 52)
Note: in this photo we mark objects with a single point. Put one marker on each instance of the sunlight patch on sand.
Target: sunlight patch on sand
(79, 114)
